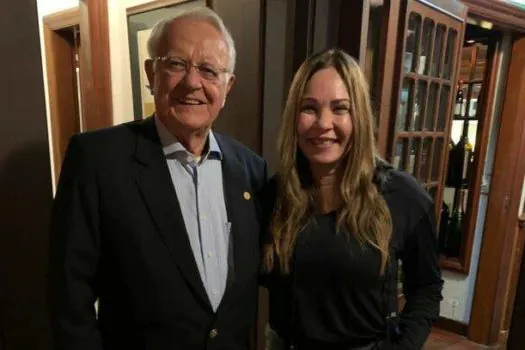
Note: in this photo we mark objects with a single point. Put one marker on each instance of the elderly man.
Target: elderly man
(159, 219)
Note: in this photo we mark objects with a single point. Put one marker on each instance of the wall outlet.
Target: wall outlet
(454, 303)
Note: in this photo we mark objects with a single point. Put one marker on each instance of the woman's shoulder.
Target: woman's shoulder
(401, 188)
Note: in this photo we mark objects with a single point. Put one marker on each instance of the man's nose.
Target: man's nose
(192, 78)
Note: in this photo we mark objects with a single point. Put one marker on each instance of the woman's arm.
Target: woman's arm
(422, 283)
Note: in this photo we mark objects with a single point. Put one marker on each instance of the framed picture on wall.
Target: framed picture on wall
(140, 20)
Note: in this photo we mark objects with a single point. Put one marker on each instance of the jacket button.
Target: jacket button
(213, 333)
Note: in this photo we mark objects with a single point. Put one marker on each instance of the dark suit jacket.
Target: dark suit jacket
(117, 234)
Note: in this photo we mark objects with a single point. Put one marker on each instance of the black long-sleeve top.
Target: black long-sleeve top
(335, 291)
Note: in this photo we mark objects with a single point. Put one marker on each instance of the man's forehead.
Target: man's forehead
(196, 35)
(193, 29)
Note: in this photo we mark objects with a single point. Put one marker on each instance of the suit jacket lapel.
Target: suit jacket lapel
(240, 209)
(157, 189)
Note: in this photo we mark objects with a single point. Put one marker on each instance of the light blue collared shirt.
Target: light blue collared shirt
(199, 187)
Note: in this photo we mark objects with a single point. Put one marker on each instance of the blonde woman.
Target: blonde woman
(341, 219)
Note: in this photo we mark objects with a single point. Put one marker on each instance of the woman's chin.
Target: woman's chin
(323, 159)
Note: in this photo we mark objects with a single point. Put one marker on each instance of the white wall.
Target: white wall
(44, 8)
(458, 291)
(119, 59)
(522, 201)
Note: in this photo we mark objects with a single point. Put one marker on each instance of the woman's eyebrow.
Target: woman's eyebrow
(340, 100)
(308, 99)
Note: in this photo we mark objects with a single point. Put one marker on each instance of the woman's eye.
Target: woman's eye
(308, 109)
(341, 109)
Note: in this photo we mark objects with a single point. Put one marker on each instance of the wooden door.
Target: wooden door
(517, 325)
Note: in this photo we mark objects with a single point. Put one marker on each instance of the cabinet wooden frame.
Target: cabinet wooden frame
(386, 75)
(438, 137)
(500, 13)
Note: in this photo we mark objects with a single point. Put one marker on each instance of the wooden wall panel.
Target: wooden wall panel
(25, 181)
(241, 118)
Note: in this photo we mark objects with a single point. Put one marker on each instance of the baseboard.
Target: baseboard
(452, 326)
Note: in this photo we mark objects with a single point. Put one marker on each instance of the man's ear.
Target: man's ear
(149, 67)
(231, 81)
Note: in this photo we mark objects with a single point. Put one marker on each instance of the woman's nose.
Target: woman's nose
(325, 119)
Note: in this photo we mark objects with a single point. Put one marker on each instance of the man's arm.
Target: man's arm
(74, 253)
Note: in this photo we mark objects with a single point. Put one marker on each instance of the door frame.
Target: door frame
(95, 74)
(62, 91)
(502, 246)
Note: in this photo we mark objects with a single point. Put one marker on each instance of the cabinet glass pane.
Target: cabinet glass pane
(435, 67)
(431, 107)
(439, 146)
(399, 151)
(428, 34)
(412, 161)
(474, 98)
(450, 53)
(404, 102)
(443, 107)
(419, 103)
(412, 42)
(424, 163)
(460, 105)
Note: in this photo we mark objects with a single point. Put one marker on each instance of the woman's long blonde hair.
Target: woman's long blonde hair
(364, 213)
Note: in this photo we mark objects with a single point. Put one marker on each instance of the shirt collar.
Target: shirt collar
(173, 147)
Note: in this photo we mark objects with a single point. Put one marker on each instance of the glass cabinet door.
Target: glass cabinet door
(428, 69)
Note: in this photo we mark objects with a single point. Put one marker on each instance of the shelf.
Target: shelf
(430, 184)
(416, 76)
(466, 119)
(452, 264)
(472, 81)
(421, 134)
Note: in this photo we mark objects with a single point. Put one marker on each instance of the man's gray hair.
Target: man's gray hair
(204, 13)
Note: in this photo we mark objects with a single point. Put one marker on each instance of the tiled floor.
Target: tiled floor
(441, 340)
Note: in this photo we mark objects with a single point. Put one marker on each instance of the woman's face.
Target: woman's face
(324, 125)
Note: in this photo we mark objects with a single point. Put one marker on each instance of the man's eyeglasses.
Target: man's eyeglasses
(175, 65)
